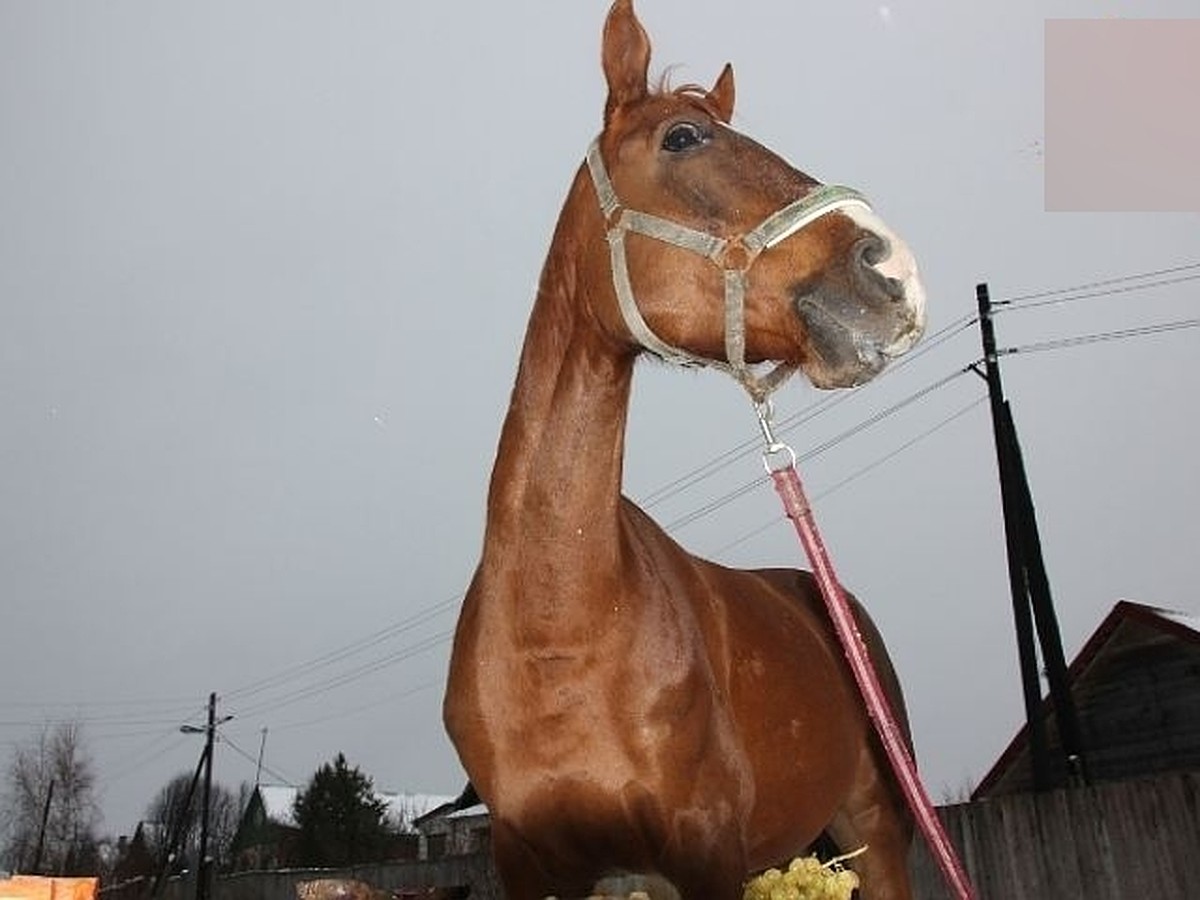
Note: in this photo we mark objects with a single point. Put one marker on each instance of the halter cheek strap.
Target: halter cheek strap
(733, 256)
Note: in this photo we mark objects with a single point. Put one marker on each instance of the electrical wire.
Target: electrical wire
(138, 762)
(790, 423)
(1099, 337)
(406, 624)
(1111, 292)
(279, 778)
(368, 668)
(177, 708)
(860, 472)
(1091, 285)
(745, 488)
(347, 713)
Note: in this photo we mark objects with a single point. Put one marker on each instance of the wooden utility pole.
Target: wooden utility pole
(179, 826)
(41, 842)
(210, 736)
(1029, 586)
(202, 873)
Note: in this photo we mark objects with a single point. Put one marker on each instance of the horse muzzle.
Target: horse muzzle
(871, 312)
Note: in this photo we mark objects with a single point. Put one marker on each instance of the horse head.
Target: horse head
(725, 253)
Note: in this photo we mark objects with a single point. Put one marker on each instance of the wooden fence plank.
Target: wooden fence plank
(1137, 838)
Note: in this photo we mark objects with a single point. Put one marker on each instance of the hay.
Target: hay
(806, 878)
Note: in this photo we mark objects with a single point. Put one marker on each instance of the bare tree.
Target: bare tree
(50, 803)
(170, 809)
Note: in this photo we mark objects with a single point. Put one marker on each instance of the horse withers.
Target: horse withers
(619, 704)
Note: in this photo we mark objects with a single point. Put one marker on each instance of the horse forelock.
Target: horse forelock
(691, 92)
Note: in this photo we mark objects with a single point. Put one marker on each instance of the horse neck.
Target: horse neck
(557, 478)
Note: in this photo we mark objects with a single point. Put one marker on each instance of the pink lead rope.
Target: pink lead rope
(795, 504)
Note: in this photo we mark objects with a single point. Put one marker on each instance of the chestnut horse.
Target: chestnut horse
(619, 704)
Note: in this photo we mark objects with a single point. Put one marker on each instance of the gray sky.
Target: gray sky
(264, 272)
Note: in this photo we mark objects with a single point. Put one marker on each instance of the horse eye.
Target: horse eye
(682, 137)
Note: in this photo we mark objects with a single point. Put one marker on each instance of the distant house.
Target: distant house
(455, 828)
(138, 856)
(1136, 687)
(267, 834)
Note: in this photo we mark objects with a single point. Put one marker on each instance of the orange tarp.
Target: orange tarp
(33, 887)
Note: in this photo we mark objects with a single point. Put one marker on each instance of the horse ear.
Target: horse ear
(626, 57)
(722, 94)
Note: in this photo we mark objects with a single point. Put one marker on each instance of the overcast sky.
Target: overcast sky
(265, 268)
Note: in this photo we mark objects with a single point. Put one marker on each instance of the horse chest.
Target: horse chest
(627, 689)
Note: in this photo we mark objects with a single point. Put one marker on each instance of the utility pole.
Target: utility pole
(179, 826)
(41, 843)
(1028, 584)
(262, 748)
(210, 732)
(206, 797)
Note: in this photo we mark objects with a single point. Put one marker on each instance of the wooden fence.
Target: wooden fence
(1133, 840)
(402, 879)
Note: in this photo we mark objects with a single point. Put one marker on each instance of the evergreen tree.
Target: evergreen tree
(341, 821)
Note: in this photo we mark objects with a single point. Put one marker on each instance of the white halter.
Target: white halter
(733, 256)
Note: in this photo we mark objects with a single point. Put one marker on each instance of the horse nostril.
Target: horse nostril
(872, 249)
(868, 253)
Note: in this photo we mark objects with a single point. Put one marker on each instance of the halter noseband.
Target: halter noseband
(733, 256)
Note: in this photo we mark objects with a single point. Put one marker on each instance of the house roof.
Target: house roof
(465, 805)
(278, 802)
(469, 812)
(1125, 618)
(402, 808)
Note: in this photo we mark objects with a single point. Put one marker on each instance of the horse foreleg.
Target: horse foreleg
(873, 816)
(519, 869)
(716, 880)
(706, 860)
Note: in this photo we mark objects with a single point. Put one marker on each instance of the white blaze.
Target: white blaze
(900, 265)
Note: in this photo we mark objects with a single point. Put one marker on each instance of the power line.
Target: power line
(870, 421)
(347, 713)
(174, 702)
(1110, 292)
(149, 755)
(858, 473)
(745, 488)
(71, 720)
(282, 779)
(885, 413)
(176, 708)
(368, 668)
(1100, 337)
(1091, 285)
(888, 457)
(352, 649)
(795, 420)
